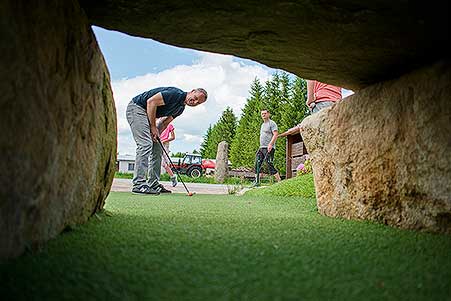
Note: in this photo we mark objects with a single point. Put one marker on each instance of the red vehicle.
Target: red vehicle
(192, 165)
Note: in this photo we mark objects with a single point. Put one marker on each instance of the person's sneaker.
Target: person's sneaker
(162, 189)
(144, 190)
(255, 184)
(174, 180)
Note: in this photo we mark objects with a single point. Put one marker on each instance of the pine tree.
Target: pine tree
(212, 143)
(226, 126)
(298, 110)
(277, 93)
(223, 130)
(283, 97)
(293, 112)
(246, 142)
(285, 94)
(205, 142)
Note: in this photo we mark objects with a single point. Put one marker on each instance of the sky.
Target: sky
(137, 65)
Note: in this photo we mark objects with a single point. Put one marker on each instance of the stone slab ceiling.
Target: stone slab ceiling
(351, 43)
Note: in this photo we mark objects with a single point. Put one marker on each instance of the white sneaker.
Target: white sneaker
(174, 180)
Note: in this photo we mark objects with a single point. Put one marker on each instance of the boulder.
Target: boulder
(383, 154)
(349, 43)
(58, 121)
(222, 159)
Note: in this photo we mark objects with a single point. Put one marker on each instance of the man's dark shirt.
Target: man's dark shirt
(174, 101)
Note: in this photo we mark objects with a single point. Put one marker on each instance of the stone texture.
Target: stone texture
(222, 159)
(384, 153)
(57, 116)
(57, 121)
(351, 43)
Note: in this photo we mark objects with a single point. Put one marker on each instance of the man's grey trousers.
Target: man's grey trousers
(318, 106)
(148, 153)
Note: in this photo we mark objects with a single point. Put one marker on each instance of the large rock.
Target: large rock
(222, 160)
(351, 43)
(57, 116)
(57, 121)
(384, 153)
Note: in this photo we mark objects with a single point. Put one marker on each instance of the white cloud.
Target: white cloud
(192, 138)
(226, 81)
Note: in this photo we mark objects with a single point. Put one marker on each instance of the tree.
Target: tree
(210, 143)
(283, 96)
(296, 110)
(205, 142)
(178, 155)
(223, 130)
(226, 126)
(277, 94)
(246, 142)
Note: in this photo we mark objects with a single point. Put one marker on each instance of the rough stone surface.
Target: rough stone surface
(57, 116)
(57, 121)
(222, 159)
(350, 43)
(384, 153)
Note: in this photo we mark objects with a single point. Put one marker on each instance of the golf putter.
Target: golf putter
(173, 166)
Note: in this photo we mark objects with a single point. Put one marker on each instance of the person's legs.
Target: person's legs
(155, 170)
(272, 170)
(166, 164)
(165, 161)
(166, 167)
(139, 124)
(155, 166)
(259, 156)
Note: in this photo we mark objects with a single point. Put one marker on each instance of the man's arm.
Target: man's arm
(164, 122)
(290, 131)
(152, 104)
(273, 140)
(171, 136)
(310, 94)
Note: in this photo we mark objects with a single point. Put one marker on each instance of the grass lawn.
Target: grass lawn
(301, 186)
(173, 247)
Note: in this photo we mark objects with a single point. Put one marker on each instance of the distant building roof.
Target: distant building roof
(125, 157)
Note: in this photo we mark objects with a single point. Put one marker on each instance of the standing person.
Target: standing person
(167, 136)
(268, 137)
(320, 95)
(142, 113)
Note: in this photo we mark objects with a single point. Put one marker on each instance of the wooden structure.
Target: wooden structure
(294, 156)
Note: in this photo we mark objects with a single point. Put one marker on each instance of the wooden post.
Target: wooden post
(294, 155)
(289, 173)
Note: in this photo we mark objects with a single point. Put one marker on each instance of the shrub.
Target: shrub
(304, 168)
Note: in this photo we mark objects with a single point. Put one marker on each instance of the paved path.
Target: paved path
(199, 188)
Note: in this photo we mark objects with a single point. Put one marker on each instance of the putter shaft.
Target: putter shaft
(172, 164)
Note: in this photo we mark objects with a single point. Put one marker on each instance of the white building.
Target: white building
(125, 163)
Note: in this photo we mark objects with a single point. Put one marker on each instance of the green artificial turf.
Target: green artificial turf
(174, 247)
(302, 186)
